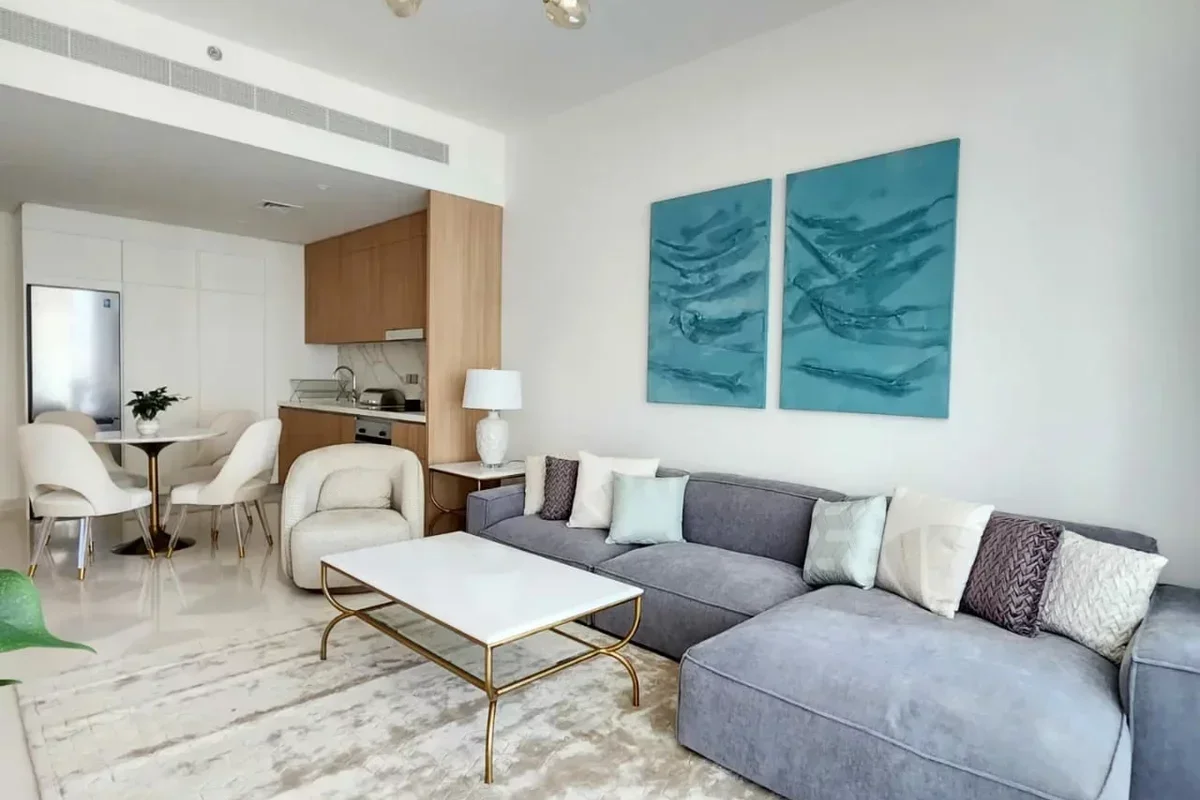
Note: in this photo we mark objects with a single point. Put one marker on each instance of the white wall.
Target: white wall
(215, 317)
(476, 167)
(12, 356)
(1075, 386)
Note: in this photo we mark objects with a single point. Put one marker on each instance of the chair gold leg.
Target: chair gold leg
(82, 573)
(237, 525)
(32, 570)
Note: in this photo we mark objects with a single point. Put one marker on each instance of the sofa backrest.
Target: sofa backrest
(1118, 536)
(749, 515)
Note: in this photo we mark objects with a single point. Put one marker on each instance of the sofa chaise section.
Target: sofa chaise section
(850, 693)
(1162, 685)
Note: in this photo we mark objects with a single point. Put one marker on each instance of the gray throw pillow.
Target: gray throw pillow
(844, 542)
(561, 475)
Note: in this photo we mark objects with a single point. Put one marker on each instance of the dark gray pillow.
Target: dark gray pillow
(561, 475)
(1009, 575)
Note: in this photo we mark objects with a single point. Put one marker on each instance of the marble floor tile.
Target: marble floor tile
(131, 604)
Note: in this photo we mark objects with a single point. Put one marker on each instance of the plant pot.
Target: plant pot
(147, 427)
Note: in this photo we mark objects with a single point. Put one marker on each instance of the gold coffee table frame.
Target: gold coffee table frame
(486, 684)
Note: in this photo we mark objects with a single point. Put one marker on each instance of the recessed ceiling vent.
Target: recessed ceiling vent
(78, 46)
(277, 207)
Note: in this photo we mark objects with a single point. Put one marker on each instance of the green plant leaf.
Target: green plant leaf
(21, 622)
(7, 682)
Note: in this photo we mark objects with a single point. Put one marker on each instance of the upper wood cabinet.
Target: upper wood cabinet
(364, 283)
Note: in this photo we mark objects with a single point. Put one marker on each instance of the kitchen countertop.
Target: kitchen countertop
(358, 411)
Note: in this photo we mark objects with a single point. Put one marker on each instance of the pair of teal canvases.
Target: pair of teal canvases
(867, 301)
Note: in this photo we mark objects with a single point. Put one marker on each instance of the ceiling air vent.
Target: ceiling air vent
(78, 46)
(277, 207)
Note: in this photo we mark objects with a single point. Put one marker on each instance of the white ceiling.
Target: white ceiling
(57, 153)
(496, 62)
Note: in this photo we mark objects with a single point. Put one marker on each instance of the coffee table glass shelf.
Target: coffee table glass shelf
(489, 594)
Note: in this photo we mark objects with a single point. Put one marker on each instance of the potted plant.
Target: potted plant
(21, 621)
(148, 405)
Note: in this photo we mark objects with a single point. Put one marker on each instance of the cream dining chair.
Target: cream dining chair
(206, 458)
(66, 479)
(87, 426)
(243, 479)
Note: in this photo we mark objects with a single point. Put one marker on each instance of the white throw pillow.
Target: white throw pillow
(929, 547)
(356, 487)
(1098, 593)
(593, 489)
(535, 484)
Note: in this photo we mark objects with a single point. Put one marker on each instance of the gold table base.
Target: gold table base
(486, 684)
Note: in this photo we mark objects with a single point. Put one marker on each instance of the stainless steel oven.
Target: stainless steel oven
(372, 431)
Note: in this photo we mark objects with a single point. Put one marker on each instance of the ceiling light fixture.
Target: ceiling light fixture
(404, 8)
(572, 14)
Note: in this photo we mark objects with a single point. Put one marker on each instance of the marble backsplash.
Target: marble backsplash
(386, 365)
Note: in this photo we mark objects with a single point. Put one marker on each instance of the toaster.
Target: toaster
(383, 399)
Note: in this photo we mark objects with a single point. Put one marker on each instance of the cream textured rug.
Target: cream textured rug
(257, 715)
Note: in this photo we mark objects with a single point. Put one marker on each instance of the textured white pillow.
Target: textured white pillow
(593, 488)
(1098, 593)
(929, 547)
(535, 484)
(356, 487)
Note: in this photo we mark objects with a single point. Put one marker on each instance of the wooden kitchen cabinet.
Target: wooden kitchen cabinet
(307, 430)
(410, 436)
(364, 283)
(322, 268)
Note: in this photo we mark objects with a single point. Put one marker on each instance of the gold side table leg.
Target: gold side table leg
(491, 718)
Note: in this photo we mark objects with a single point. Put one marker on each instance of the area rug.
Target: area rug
(257, 715)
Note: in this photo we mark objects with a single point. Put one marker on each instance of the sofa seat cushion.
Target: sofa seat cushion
(694, 591)
(577, 547)
(339, 531)
(851, 692)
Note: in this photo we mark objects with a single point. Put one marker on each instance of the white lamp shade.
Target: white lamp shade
(492, 389)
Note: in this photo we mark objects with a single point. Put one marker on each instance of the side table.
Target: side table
(474, 471)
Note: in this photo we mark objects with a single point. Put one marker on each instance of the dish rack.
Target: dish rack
(313, 390)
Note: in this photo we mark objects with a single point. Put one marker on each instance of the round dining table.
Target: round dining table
(152, 445)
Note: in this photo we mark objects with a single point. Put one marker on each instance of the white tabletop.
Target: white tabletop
(487, 591)
(476, 471)
(167, 435)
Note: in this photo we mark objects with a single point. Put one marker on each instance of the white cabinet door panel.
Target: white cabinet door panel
(162, 266)
(65, 259)
(231, 351)
(220, 272)
(160, 344)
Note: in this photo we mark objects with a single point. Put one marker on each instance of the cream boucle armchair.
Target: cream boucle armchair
(347, 497)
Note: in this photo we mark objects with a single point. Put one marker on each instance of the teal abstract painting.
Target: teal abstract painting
(709, 261)
(869, 285)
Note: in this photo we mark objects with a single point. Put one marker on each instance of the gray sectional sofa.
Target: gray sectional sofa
(840, 693)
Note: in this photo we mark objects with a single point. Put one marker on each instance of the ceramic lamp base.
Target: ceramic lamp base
(491, 439)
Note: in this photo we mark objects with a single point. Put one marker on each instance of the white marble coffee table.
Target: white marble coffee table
(486, 592)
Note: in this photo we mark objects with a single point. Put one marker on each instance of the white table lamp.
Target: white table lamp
(492, 390)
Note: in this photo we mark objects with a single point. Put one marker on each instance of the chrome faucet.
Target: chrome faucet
(342, 387)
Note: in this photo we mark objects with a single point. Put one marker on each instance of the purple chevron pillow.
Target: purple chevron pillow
(1009, 574)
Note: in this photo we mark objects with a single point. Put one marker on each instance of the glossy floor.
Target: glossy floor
(131, 604)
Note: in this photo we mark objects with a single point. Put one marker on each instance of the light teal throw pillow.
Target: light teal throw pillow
(844, 542)
(647, 510)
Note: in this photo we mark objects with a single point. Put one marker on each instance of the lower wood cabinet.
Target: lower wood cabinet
(307, 430)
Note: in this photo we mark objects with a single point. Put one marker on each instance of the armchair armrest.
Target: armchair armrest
(486, 508)
(1161, 691)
